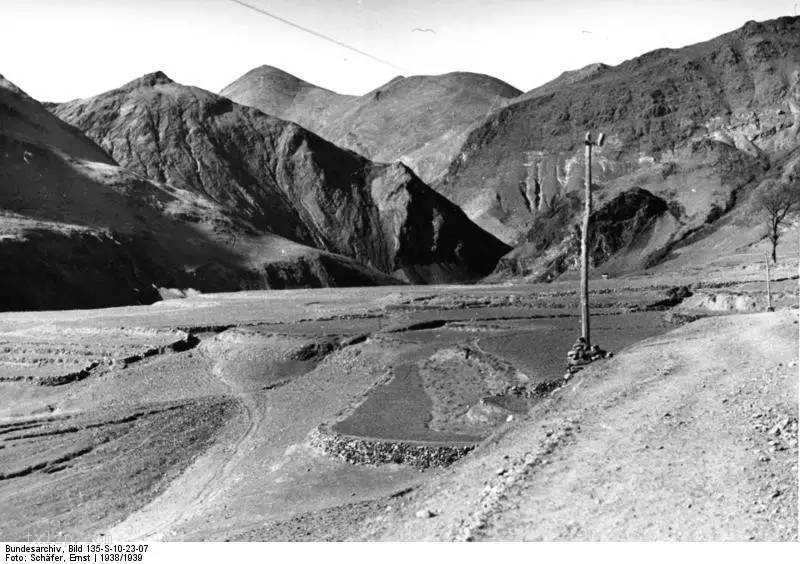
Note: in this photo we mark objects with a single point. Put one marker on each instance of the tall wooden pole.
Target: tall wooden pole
(585, 244)
(769, 289)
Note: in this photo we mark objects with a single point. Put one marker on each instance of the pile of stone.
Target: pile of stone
(580, 355)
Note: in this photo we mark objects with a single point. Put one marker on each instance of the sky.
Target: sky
(58, 50)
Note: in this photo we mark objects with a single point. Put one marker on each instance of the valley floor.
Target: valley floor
(194, 419)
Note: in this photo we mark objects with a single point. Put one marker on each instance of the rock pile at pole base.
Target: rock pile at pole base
(580, 355)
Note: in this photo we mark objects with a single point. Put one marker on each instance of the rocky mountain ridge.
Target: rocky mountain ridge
(285, 180)
(409, 119)
(259, 201)
(698, 127)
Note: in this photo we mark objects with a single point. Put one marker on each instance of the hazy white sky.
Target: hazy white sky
(62, 49)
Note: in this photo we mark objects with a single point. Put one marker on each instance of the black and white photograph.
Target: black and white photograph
(356, 272)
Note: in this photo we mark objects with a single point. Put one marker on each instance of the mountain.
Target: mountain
(697, 128)
(77, 230)
(411, 119)
(111, 199)
(285, 180)
(280, 94)
(564, 79)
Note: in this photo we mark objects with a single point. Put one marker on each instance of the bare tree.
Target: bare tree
(775, 200)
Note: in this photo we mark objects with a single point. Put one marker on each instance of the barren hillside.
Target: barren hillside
(77, 230)
(417, 119)
(692, 126)
(285, 180)
(692, 131)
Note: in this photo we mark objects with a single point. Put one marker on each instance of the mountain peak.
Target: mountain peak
(272, 78)
(276, 92)
(456, 79)
(149, 80)
(269, 69)
(783, 24)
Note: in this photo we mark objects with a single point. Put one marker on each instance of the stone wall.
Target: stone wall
(359, 450)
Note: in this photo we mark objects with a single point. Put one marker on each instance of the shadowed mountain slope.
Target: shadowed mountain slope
(77, 230)
(285, 180)
(412, 119)
(22, 116)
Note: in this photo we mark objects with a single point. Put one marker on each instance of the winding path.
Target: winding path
(203, 481)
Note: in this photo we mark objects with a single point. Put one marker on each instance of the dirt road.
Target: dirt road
(202, 481)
